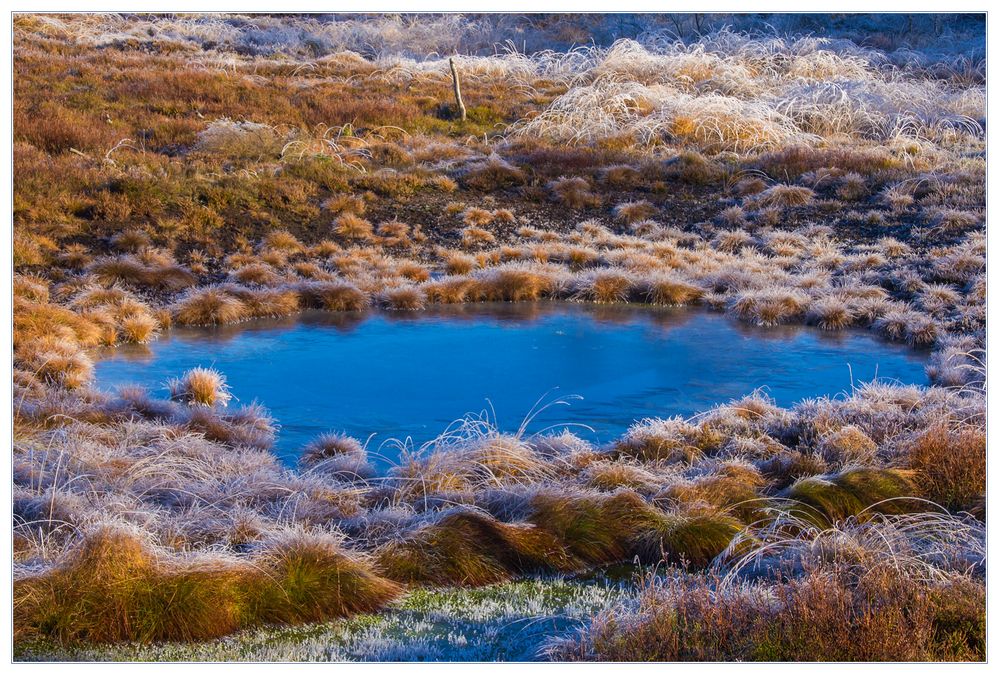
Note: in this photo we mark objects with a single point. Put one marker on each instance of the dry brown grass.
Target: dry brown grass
(201, 386)
(351, 226)
(404, 298)
(140, 328)
(823, 616)
(472, 237)
(510, 284)
(951, 465)
(632, 212)
(117, 587)
(667, 289)
(605, 286)
(476, 217)
(335, 296)
(574, 192)
(209, 306)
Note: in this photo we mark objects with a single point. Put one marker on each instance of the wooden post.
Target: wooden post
(457, 90)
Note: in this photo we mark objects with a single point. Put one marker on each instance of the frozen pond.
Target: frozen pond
(411, 374)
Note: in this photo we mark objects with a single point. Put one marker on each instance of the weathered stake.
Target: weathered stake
(457, 90)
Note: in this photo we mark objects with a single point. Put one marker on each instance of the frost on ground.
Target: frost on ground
(504, 622)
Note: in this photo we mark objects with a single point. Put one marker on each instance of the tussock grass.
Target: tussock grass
(117, 587)
(256, 273)
(830, 313)
(837, 497)
(668, 440)
(336, 455)
(209, 306)
(450, 290)
(465, 547)
(201, 386)
(166, 276)
(511, 284)
(950, 465)
(633, 212)
(140, 328)
(604, 286)
(822, 616)
(265, 302)
(476, 236)
(769, 307)
(574, 191)
(335, 296)
(407, 298)
(351, 226)
(669, 290)
(781, 196)
(310, 577)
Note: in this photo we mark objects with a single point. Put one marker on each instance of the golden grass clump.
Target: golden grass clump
(209, 306)
(610, 476)
(412, 270)
(510, 284)
(351, 226)
(74, 257)
(473, 216)
(310, 577)
(256, 273)
(493, 174)
(781, 196)
(769, 306)
(476, 236)
(666, 440)
(605, 286)
(131, 241)
(466, 547)
(621, 175)
(663, 288)
(830, 313)
(691, 538)
(731, 489)
(394, 233)
(265, 302)
(201, 386)
(449, 290)
(633, 212)
(574, 192)
(58, 361)
(833, 498)
(456, 262)
(848, 445)
(118, 587)
(950, 464)
(34, 320)
(403, 298)
(333, 296)
(32, 288)
(605, 528)
(140, 328)
(597, 529)
(164, 276)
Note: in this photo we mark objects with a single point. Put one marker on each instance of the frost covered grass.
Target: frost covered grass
(752, 169)
(505, 622)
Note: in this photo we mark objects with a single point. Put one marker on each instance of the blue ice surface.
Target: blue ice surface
(393, 375)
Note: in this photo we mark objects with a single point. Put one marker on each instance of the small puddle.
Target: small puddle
(411, 374)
